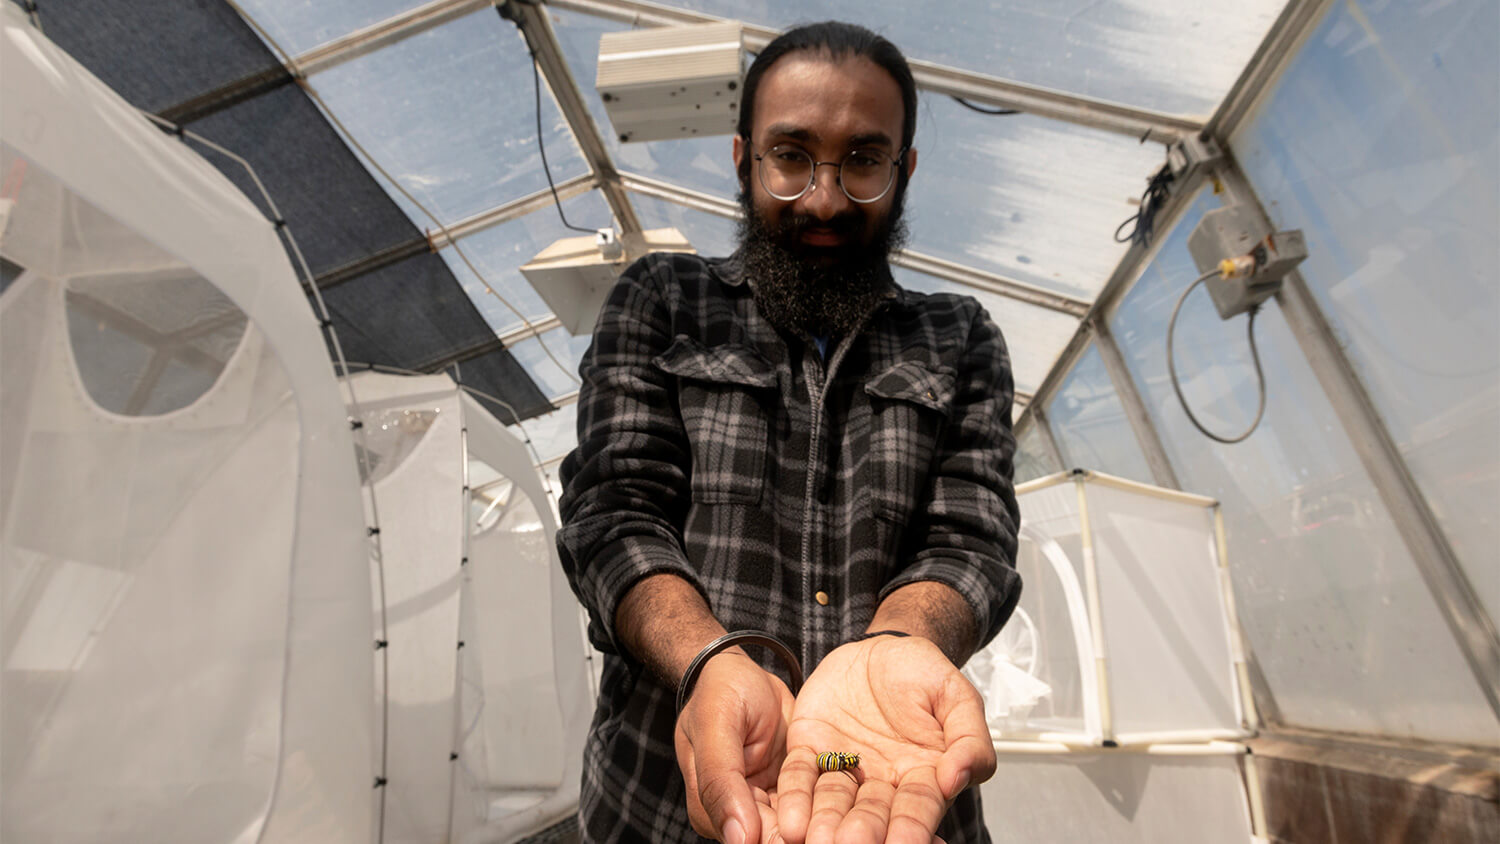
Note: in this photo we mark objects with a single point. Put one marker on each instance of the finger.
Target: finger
(689, 767)
(917, 808)
(869, 818)
(794, 788)
(768, 831)
(833, 797)
(727, 799)
(969, 752)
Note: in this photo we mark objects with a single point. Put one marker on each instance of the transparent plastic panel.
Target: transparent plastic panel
(555, 374)
(1034, 336)
(1030, 199)
(150, 343)
(136, 586)
(300, 25)
(711, 236)
(1033, 459)
(702, 164)
(497, 253)
(1039, 640)
(391, 435)
(1170, 55)
(1170, 667)
(1090, 425)
(1380, 143)
(1344, 629)
(1050, 562)
(451, 115)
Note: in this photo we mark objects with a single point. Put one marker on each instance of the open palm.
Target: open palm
(918, 727)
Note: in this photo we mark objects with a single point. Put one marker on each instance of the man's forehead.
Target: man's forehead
(814, 97)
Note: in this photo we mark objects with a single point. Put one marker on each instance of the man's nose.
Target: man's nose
(825, 200)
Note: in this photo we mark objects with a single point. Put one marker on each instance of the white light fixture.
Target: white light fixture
(672, 82)
(575, 274)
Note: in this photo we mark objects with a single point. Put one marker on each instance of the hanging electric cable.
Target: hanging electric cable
(541, 145)
(1254, 357)
(1152, 201)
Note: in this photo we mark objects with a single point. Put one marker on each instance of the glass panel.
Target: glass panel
(1030, 199)
(299, 25)
(552, 435)
(553, 380)
(1033, 336)
(1376, 144)
(712, 236)
(703, 164)
(1344, 629)
(1177, 56)
(450, 113)
(1089, 423)
(1033, 460)
(498, 253)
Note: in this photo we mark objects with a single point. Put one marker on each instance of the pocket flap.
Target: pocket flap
(914, 382)
(726, 364)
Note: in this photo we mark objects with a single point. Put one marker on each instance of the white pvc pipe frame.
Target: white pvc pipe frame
(1088, 631)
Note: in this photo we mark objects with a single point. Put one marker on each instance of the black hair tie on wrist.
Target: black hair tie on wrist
(738, 637)
(873, 633)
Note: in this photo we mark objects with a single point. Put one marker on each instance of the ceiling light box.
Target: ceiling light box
(575, 274)
(672, 82)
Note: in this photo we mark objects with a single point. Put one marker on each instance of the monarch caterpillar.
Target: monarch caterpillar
(833, 760)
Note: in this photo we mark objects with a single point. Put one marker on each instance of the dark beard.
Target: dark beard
(796, 290)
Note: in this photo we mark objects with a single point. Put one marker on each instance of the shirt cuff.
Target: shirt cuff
(618, 567)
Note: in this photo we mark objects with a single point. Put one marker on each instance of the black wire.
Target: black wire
(1152, 201)
(981, 109)
(1260, 376)
(541, 145)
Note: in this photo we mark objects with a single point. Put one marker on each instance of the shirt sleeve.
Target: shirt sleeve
(625, 487)
(965, 536)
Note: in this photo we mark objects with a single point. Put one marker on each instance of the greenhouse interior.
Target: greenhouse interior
(295, 295)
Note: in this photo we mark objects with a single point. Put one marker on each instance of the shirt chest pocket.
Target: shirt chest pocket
(909, 404)
(724, 394)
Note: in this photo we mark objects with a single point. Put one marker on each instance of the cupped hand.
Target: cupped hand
(731, 742)
(918, 727)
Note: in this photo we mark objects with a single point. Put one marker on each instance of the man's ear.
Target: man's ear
(741, 152)
(911, 162)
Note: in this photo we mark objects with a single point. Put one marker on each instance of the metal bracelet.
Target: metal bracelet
(738, 637)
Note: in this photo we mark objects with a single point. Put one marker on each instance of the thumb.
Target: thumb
(726, 796)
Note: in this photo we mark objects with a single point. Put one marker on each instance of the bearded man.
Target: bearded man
(787, 442)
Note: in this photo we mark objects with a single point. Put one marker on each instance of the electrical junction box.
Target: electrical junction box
(1191, 153)
(1230, 233)
(672, 82)
(575, 274)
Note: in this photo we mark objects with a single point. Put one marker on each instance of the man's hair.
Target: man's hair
(838, 41)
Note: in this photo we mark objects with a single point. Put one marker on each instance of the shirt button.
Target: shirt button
(821, 598)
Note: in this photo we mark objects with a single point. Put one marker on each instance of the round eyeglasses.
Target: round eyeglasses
(865, 175)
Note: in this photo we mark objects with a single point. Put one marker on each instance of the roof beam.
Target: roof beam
(1282, 42)
(946, 270)
(382, 34)
(1137, 123)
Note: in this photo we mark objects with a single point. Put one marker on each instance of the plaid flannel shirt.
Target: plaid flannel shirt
(795, 493)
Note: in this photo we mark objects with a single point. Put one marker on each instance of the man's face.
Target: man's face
(819, 262)
(827, 108)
